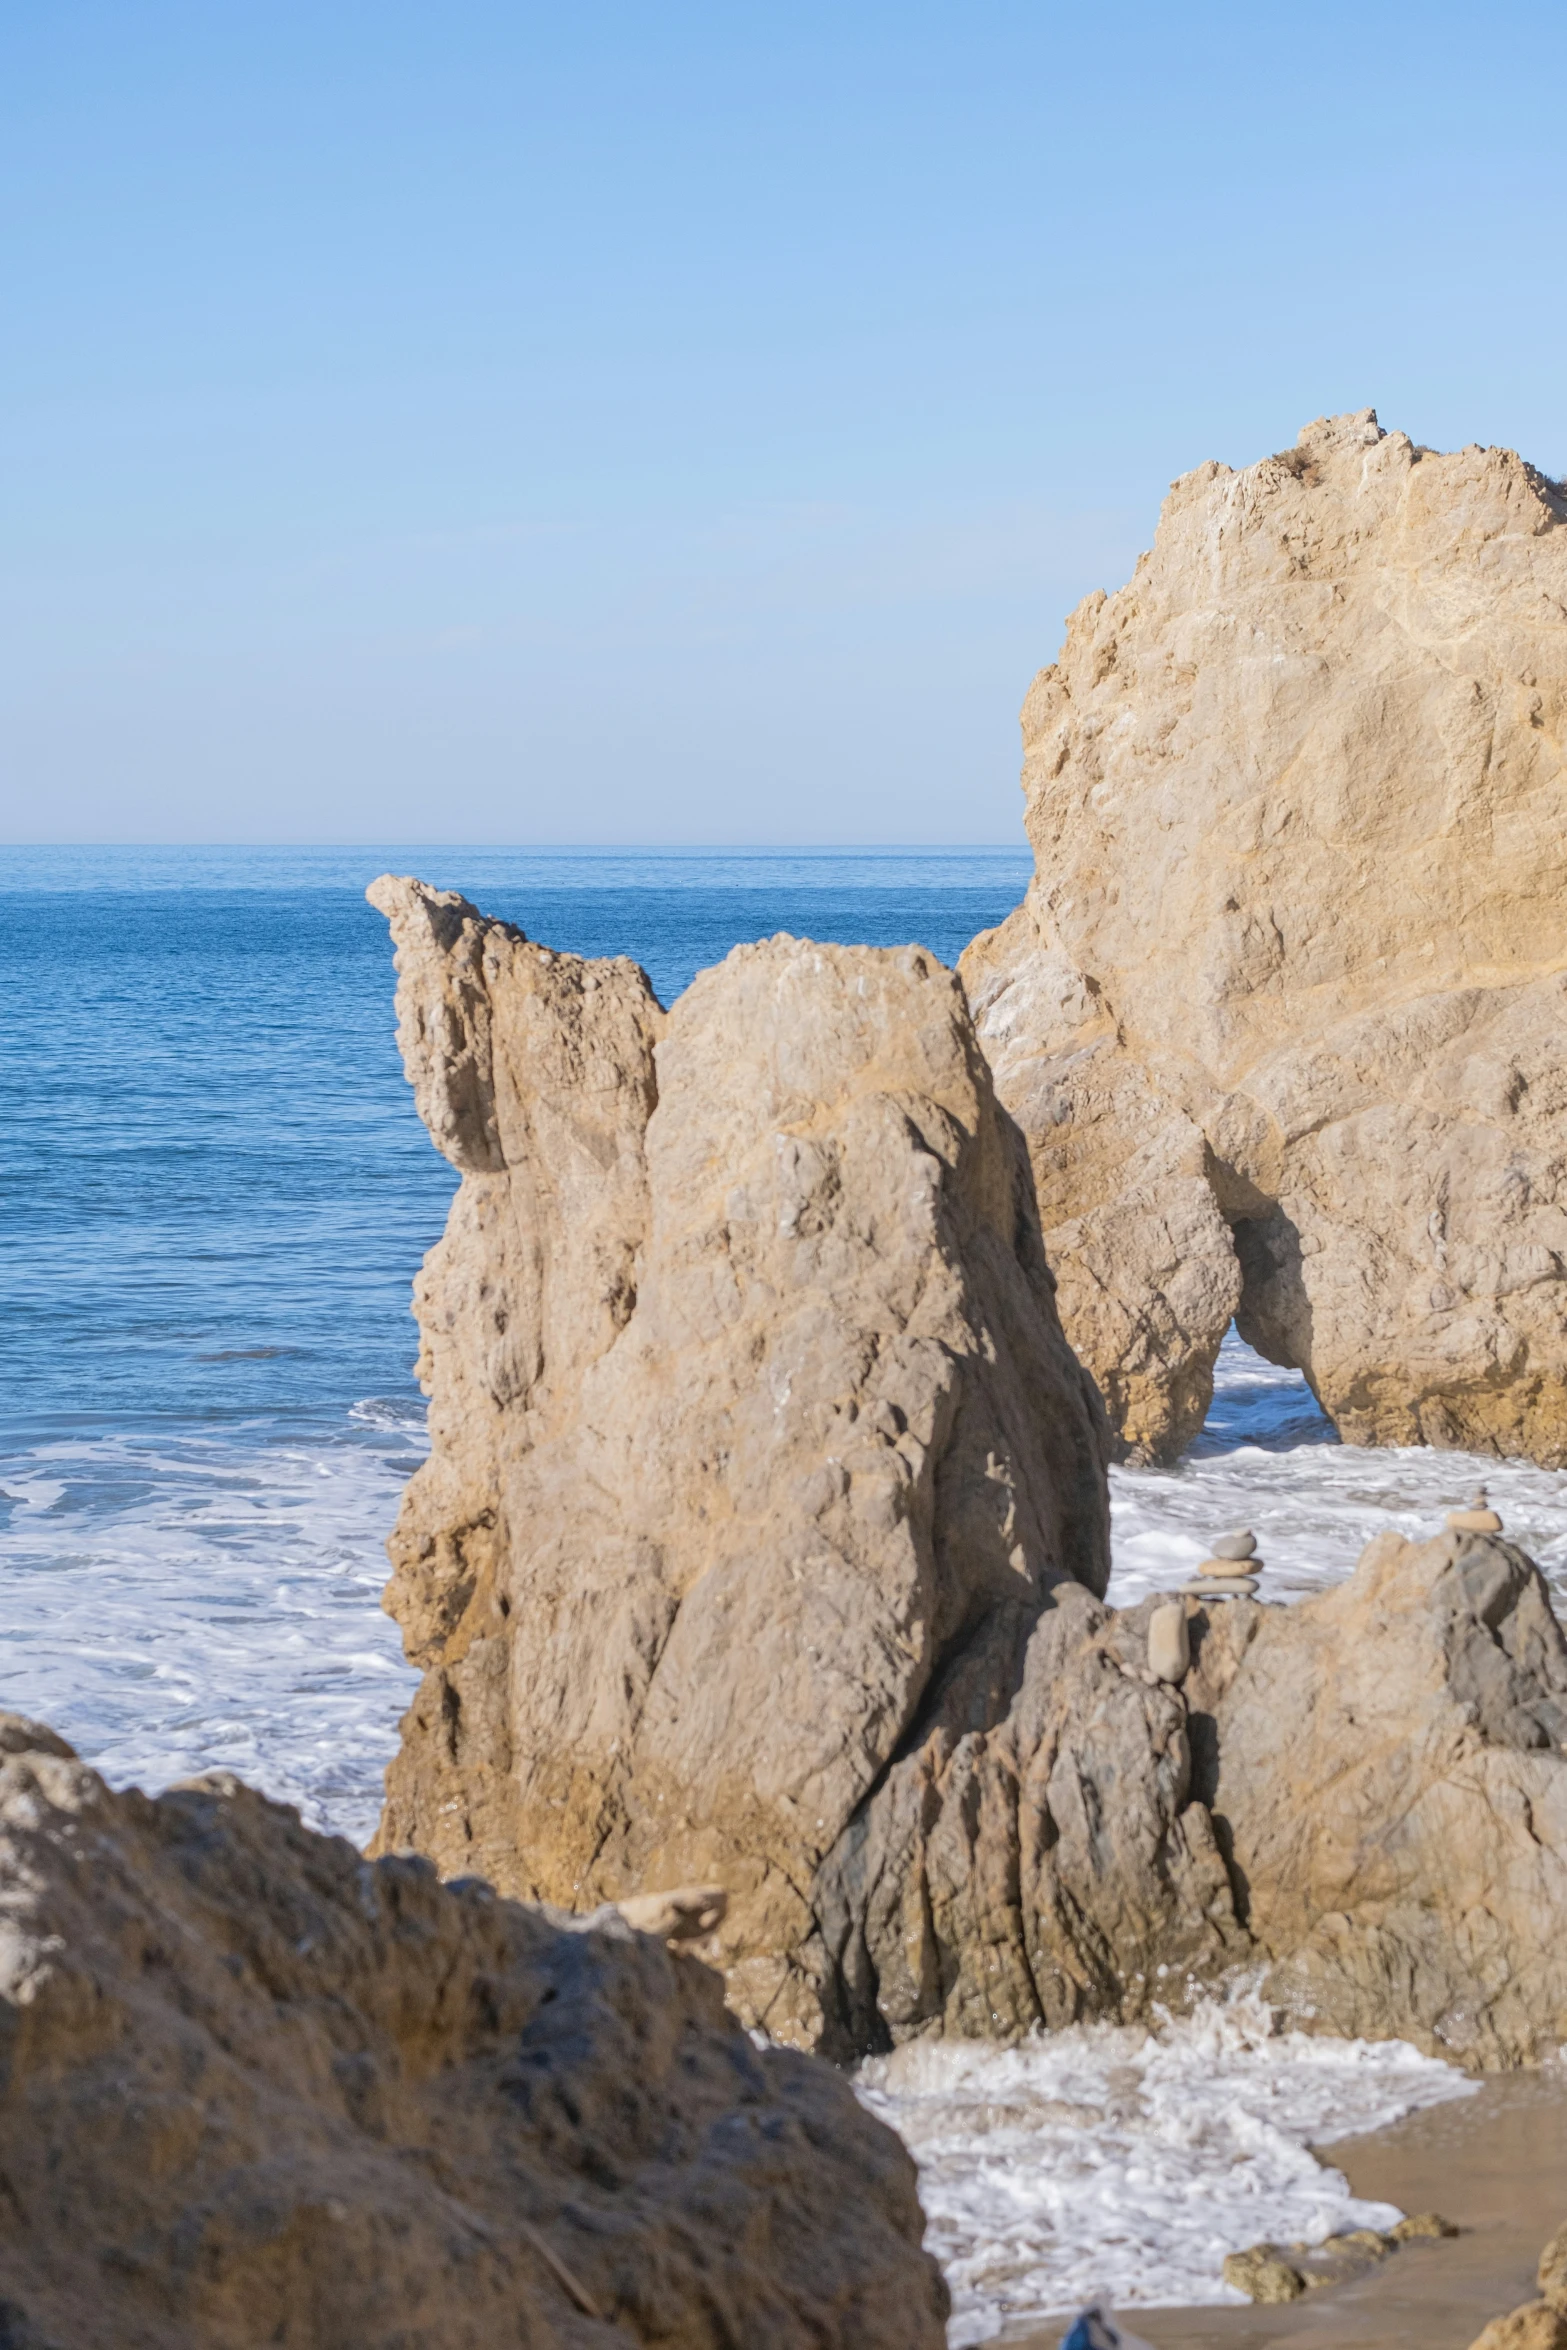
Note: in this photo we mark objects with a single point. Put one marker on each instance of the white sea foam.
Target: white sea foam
(179, 1601)
(1128, 2163)
(1269, 1460)
(187, 1598)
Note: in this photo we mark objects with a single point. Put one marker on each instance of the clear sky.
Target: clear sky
(688, 423)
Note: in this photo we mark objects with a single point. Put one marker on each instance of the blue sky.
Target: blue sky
(682, 423)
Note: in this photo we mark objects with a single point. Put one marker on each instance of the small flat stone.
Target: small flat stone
(1239, 1545)
(1473, 1522)
(684, 1914)
(1218, 1566)
(1220, 1587)
(1423, 2223)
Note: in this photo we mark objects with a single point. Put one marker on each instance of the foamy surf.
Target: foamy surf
(187, 1596)
(1103, 2161)
(181, 1599)
(1267, 1458)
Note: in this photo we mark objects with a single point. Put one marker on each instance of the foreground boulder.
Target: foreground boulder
(1363, 1797)
(257, 2090)
(757, 1448)
(1282, 1014)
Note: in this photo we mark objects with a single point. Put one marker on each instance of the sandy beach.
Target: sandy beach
(1496, 2163)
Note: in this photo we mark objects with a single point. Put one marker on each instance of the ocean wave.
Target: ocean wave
(1267, 1458)
(1119, 2163)
(180, 1600)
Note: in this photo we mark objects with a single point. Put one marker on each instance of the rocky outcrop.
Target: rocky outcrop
(757, 1448)
(1362, 1797)
(1541, 2324)
(1282, 1014)
(257, 2090)
(762, 1547)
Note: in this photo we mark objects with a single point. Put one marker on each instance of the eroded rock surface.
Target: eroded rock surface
(1363, 1797)
(257, 2090)
(757, 1447)
(1282, 1016)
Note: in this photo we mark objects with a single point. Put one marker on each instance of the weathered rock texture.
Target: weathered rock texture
(257, 2090)
(1364, 1796)
(1282, 1016)
(756, 1444)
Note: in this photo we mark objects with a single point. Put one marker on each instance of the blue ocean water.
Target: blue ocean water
(214, 1193)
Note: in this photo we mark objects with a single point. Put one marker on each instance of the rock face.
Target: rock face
(258, 2090)
(1282, 1015)
(757, 1448)
(1363, 1795)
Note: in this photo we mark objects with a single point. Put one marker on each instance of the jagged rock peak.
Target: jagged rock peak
(757, 1449)
(1281, 1015)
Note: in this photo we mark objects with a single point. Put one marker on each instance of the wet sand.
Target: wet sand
(1496, 2163)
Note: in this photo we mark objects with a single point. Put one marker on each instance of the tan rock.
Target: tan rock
(1478, 1518)
(686, 1913)
(1552, 2274)
(755, 1438)
(1368, 2243)
(259, 2090)
(1169, 1648)
(1388, 1774)
(1534, 2326)
(1363, 1796)
(1281, 1016)
(1263, 2274)
(1420, 2225)
(742, 1559)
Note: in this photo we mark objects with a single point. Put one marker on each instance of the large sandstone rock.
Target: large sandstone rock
(1282, 1016)
(757, 1448)
(255, 2090)
(1363, 1797)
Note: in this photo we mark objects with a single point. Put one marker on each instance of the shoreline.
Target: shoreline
(1496, 2163)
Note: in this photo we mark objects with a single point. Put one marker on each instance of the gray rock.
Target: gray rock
(1240, 1545)
(1061, 1861)
(1169, 1646)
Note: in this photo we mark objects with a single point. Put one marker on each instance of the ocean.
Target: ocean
(214, 1192)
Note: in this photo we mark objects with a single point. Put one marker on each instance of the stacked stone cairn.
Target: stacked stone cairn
(1477, 1518)
(1231, 1572)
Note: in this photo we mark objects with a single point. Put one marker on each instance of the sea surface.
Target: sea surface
(214, 1192)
